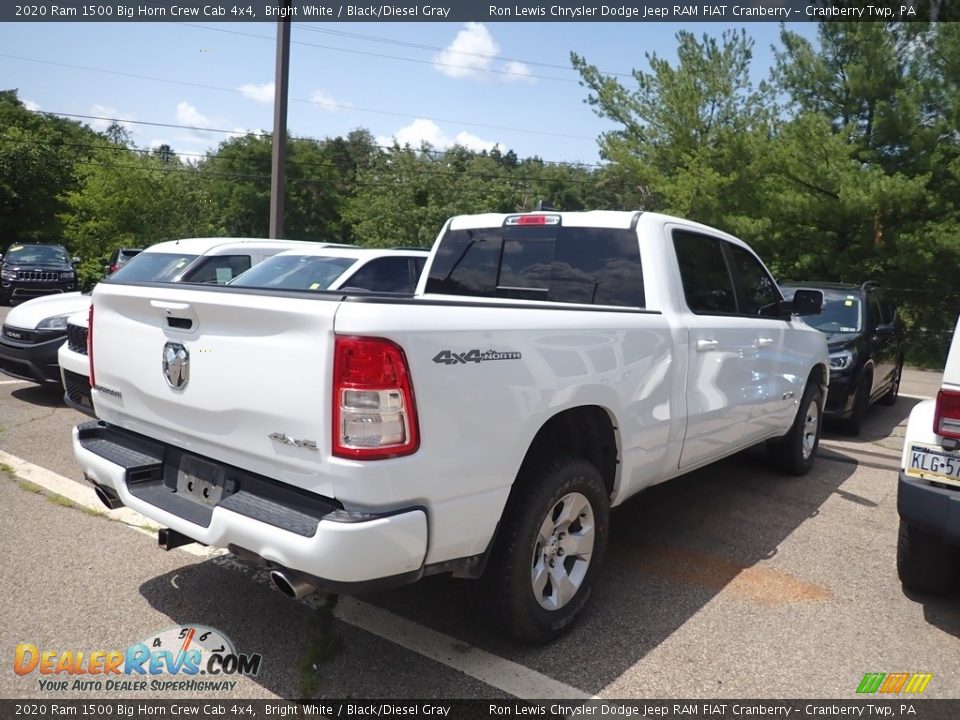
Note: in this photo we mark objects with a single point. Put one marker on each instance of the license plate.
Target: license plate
(930, 462)
(200, 480)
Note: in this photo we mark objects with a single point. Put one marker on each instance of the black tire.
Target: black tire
(894, 392)
(925, 563)
(790, 453)
(853, 425)
(4, 300)
(509, 596)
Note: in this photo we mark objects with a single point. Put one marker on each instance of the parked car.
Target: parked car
(866, 339)
(329, 268)
(29, 270)
(550, 365)
(119, 258)
(310, 266)
(34, 331)
(928, 490)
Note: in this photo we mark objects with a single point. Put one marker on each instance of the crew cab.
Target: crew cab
(549, 366)
(928, 491)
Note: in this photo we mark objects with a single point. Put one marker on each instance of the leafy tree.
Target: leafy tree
(685, 142)
(37, 160)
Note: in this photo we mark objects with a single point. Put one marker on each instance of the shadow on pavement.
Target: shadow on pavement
(40, 395)
(880, 422)
(672, 550)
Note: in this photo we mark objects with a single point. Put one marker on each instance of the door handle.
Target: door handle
(707, 345)
(763, 342)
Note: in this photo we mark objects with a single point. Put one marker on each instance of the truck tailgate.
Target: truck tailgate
(235, 389)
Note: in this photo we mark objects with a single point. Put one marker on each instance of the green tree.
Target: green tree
(687, 135)
(38, 155)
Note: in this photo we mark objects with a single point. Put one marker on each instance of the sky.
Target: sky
(479, 85)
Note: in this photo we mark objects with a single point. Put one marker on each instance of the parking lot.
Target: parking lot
(733, 581)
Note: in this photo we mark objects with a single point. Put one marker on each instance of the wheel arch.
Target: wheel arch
(586, 431)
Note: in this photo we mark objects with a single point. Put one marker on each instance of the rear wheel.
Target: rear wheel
(548, 550)
(795, 452)
(891, 397)
(925, 563)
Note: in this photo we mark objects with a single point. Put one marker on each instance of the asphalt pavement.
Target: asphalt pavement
(731, 582)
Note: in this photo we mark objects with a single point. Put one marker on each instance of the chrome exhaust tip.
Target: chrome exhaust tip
(292, 583)
(108, 497)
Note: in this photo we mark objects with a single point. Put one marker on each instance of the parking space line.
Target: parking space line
(12, 382)
(83, 495)
(504, 675)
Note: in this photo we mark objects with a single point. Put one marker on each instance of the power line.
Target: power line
(421, 46)
(341, 106)
(514, 73)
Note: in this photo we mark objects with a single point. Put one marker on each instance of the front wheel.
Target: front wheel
(853, 425)
(549, 549)
(795, 452)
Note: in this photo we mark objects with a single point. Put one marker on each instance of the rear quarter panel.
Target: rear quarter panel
(478, 419)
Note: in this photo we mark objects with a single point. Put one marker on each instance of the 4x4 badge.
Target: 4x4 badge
(176, 364)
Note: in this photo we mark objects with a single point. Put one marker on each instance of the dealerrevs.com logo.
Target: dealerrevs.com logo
(184, 658)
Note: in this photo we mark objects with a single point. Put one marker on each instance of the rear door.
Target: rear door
(885, 339)
(721, 387)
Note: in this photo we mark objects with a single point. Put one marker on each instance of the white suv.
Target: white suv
(928, 494)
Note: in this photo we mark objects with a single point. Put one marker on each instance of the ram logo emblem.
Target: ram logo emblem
(176, 365)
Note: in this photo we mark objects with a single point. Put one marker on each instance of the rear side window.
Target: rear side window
(707, 286)
(388, 274)
(593, 266)
(758, 293)
(153, 267)
(296, 272)
(218, 270)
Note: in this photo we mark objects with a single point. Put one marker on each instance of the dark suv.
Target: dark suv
(865, 336)
(28, 271)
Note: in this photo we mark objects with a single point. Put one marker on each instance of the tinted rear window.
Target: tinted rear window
(153, 267)
(296, 272)
(598, 266)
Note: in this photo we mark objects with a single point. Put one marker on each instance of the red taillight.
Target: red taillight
(93, 381)
(113, 268)
(374, 415)
(946, 415)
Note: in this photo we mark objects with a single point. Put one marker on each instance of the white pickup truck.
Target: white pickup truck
(549, 366)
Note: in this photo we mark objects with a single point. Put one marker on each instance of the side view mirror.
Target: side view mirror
(807, 302)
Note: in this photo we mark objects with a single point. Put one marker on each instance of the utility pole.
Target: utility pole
(278, 168)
